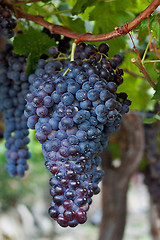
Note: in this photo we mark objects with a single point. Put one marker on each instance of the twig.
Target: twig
(146, 50)
(19, 13)
(144, 71)
(139, 63)
(151, 61)
(150, 37)
(133, 73)
(134, 47)
(29, 1)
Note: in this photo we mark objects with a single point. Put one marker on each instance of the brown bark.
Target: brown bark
(116, 180)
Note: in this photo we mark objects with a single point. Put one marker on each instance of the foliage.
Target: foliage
(34, 43)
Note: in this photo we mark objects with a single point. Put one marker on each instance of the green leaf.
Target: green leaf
(32, 60)
(136, 87)
(108, 15)
(81, 6)
(76, 25)
(149, 120)
(153, 26)
(34, 43)
(152, 119)
(156, 95)
(157, 117)
(143, 164)
(46, 1)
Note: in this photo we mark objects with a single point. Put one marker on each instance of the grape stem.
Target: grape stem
(72, 57)
(133, 73)
(146, 50)
(151, 61)
(86, 37)
(144, 71)
(73, 51)
(67, 70)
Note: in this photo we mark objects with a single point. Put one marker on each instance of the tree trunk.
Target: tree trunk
(113, 205)
(116, 180)
(154, 221)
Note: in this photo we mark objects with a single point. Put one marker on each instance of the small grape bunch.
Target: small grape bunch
(13, 87)
(7, 23)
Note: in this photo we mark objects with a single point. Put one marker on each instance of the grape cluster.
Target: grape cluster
(7, 23)
(73, 106)
(13, 87)
(152, 155)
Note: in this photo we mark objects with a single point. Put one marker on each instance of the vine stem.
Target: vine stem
(146, 50)
(29, 1)
(151, 61)
(73, 51)
(133, 73)
(72, 57)
(144, 71)
(86, 37)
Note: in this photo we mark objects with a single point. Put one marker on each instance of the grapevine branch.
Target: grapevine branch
(144, 71)
(139, 64)
(29, 1)
(133, 73)
(85, 37)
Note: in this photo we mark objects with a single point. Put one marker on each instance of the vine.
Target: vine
(85, 37)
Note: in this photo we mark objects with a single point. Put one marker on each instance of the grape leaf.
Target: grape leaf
(153, 26)
(34, 43)
(135, 87)
(149, 120)
(103, 14)
(76, 25)
(156, 95)
(46, 1)
(32, 60)
(152, 119)
(81, 6)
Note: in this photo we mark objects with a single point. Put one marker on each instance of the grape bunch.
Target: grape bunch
(73, 106)
(7, 23)
(13, 87)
